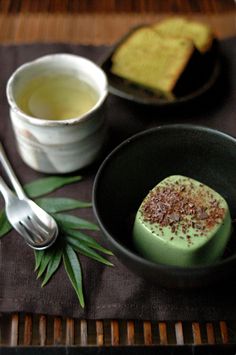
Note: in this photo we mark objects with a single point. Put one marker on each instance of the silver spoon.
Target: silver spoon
(35, 225)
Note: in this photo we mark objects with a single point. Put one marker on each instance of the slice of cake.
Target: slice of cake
(182, 222)
(201, 34)
(146, 59)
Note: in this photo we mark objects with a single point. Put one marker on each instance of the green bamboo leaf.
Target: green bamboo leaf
(60, 204)
(87, 251)
(48, 184)
(53, 265)
(73, 269)
(73, 222)
(38, 255)
(44, 262)
(47, 262)
(88, 240)
(5, 226)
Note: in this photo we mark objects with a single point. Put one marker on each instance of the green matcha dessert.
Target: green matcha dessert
(182, 222)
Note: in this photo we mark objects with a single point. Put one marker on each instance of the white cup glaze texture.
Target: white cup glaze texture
(59, 146)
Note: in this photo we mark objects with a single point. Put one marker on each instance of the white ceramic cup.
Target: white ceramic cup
(59, 146)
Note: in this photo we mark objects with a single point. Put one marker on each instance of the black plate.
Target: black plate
(125, 89)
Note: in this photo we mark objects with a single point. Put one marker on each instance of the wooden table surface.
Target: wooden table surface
(103, 22)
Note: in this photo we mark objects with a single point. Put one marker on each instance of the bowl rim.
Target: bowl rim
(129, 252)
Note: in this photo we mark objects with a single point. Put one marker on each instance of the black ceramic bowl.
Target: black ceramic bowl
(137, 165)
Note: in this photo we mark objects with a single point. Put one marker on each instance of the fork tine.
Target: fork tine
(39, 223)
(35, 225)
(32, 231)
(24, 232)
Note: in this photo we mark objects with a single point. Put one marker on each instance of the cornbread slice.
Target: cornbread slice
(201, 34)
(182, 222)
(148, 60)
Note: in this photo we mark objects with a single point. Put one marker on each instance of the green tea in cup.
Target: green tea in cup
(56, 96)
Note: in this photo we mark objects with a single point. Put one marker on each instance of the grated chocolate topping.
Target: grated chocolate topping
(183, 205)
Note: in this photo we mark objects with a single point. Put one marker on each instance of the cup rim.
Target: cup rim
(41, 121)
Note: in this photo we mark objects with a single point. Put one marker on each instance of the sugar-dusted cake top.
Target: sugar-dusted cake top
(200, 33)
(149, 60)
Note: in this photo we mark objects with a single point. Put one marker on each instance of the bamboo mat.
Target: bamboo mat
(28, 329)
(83, 6)
(93, 29)
(104, 22)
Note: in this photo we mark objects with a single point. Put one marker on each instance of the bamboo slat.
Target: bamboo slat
(70, 331)
(84, 332)
(42, 330)
(210, 333)
(115, 333)
(14, 330)
(163, 333)
(147, 332)
(57, 334)
(197, 339)
(28, 330)
(130, 333)
(179, 333)
(224, 332)
(99, 333)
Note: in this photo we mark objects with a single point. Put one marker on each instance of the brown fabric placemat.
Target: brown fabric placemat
(110, 292)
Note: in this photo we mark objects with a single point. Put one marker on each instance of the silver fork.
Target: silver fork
(36, 226)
